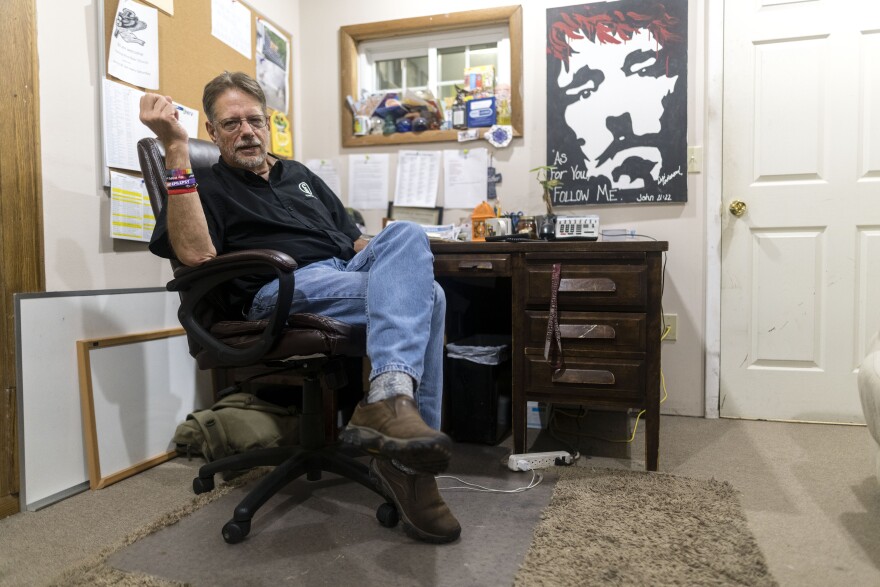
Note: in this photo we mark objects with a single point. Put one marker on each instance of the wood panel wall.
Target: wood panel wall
(21, 213)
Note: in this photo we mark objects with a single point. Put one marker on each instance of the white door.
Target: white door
(800, 269)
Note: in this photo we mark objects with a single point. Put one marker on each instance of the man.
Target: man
(251, 199)
(616, 102)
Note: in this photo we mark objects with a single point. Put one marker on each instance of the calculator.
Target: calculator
(577, 228)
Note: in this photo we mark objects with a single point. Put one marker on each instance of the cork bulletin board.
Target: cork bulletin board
(190, 56)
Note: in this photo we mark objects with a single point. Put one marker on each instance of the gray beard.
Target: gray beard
(249, 162)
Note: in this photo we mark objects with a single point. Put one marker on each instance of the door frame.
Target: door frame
(713, 161)
(22, 267)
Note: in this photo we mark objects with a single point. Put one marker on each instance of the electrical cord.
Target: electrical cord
(665, 329)
(551, 417)
(580, 415)
(468, 486)
(635, 426)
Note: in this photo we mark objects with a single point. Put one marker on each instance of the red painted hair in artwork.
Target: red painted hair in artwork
(596, 22)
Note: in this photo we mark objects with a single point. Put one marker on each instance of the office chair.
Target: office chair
(309, 345)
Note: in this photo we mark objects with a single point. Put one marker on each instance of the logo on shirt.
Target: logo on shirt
(304, 188)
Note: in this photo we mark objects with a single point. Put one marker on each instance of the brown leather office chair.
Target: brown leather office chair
(308, 344)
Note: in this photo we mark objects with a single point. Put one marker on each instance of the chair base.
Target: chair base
(311, 458)
(290, 463)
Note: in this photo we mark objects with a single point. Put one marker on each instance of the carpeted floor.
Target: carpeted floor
(808, 491)
(324, 534)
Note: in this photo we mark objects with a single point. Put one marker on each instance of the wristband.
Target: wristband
(178, 173)
(178, 183)
(191, 190)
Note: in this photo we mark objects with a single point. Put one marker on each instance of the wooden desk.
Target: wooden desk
(616, 286)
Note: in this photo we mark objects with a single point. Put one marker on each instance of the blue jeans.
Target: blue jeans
(388, 288)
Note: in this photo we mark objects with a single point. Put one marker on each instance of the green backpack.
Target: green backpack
(237, 423)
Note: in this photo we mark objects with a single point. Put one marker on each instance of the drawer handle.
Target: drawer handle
(584, 376)
(475, 266)
(582, 331)
(592, 284)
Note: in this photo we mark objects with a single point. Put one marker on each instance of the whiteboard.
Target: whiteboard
(53, 462)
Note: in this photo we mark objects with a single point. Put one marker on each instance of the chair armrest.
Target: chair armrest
(260, 260)
(195, 283)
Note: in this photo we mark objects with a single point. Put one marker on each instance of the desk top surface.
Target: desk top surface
(539, 246)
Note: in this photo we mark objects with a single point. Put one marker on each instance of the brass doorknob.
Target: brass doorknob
(737, 208)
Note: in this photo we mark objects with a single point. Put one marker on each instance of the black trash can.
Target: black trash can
(478, 385)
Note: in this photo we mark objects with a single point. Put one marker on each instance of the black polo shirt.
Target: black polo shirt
(293, 212)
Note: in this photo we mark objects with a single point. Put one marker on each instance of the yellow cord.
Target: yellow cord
(639, 415)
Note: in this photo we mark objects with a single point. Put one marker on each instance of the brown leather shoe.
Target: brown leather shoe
(392, 428)
(424, 514)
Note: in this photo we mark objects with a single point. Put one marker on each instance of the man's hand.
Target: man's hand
(187, 227)
(360, 244)
(159, 114)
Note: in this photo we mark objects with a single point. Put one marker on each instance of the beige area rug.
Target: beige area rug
(612, 527)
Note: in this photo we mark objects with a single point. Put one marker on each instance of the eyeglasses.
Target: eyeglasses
(233, 124)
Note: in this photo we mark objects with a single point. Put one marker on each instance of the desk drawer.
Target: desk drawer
(498, 265)
(588, 284)
(589, 377)
(585, 331)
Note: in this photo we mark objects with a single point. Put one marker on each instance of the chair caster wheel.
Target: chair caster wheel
(387, 515)
(203, 484)
(234, 532)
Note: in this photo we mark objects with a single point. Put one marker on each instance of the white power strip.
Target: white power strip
(538, 460)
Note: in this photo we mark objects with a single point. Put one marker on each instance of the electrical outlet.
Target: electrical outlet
(671, 321)
(695, 159)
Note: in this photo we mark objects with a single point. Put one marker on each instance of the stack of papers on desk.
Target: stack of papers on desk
(440, 231)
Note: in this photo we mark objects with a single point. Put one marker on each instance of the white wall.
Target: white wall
(80, 254)
(681, 225)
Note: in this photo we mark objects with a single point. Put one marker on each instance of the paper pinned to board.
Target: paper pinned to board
(273, 65)
(326, 170)
(368, 181)
(134, 45)
(465, 182)
(131, 216)
(122, 128)
(418, 177)
(231, 23)
(166, 6)
(189, 119)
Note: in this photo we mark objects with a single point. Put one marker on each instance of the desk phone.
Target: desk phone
(577, 228)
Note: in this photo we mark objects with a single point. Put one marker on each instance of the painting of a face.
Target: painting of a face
(616, 101)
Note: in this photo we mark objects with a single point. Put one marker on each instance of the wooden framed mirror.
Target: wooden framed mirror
(350, 38)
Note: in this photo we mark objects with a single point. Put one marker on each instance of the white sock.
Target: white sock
(389, 384)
